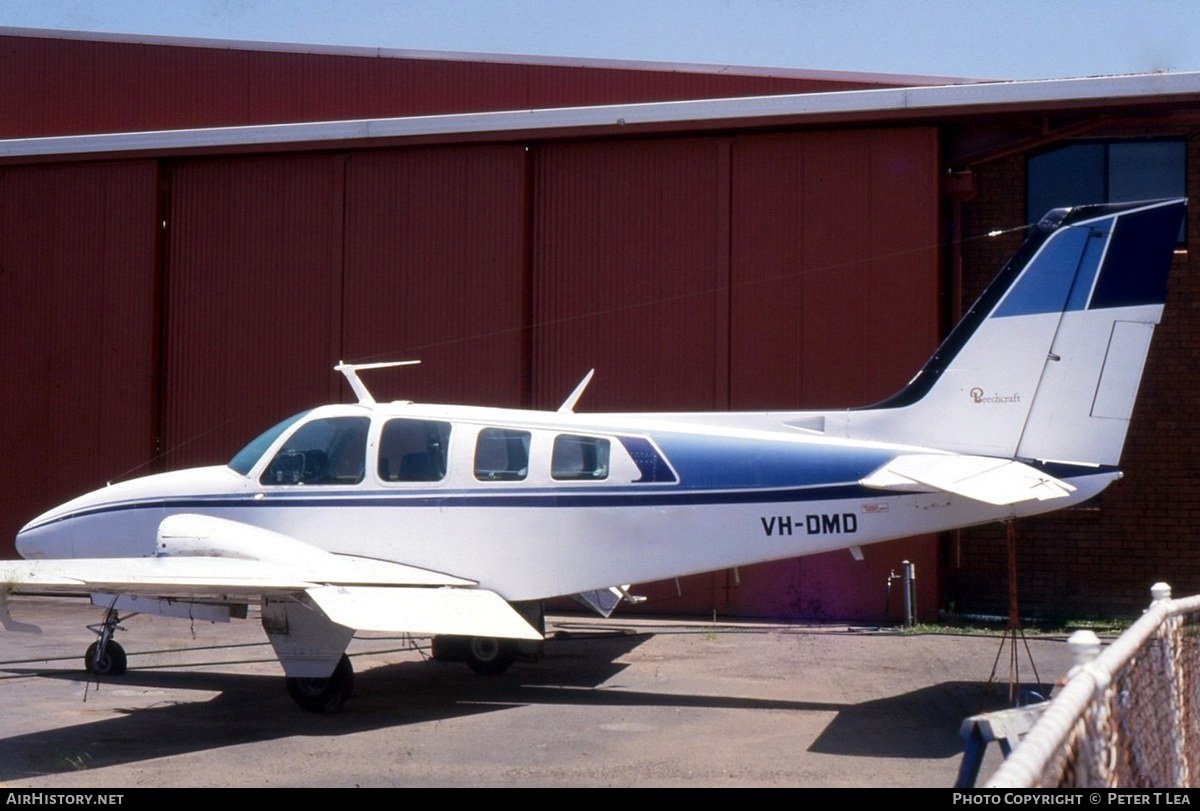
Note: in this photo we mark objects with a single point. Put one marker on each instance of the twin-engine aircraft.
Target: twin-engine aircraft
(457, 522)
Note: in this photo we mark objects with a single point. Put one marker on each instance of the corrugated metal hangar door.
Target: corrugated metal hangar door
(280, 266)
(751, 273)
(253, 305)
(79, 302)
(435, 269)
(630, 274)
(835, 291)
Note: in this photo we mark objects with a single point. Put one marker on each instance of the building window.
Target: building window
(1115, 171)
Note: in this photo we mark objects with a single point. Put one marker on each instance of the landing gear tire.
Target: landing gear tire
(489, 656)
(324, 695)
(109, 662)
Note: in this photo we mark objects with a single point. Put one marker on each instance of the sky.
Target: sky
(996, 39)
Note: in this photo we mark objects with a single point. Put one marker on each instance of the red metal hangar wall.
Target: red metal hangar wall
(164, 303)
(162, 309)
(52, 85)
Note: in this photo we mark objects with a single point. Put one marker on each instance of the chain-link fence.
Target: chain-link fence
(1125, 718)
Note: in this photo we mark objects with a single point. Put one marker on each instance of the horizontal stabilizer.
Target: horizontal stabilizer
(605, 601)
(422, 611)
(982, 478)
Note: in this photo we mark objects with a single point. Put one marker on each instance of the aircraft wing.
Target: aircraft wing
(982, 478)
(209, 560)
(192, 577)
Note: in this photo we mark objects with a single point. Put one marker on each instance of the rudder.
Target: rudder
(1085, 398)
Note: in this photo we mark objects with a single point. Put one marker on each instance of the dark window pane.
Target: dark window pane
(502, 454)
(413, 450)
(579, 457)
(1145, 170)
(332, 450)
(1105, 172)
(1067, 176)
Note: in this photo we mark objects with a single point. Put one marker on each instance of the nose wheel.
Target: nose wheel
(107, 660)
(105, 656)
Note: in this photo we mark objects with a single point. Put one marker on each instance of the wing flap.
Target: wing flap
(422, 611)
(981, 478)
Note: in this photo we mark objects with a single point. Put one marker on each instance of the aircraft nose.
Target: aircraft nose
(44, 538)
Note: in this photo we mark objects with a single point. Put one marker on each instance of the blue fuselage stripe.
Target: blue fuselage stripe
(625, 498)
(514, 498)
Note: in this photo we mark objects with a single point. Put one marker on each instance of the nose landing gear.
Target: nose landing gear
(109, 660)
(105, 656)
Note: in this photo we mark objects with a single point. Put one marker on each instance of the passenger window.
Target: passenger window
(324, 451)
(413, 450)
(579, 457)
(501, 454)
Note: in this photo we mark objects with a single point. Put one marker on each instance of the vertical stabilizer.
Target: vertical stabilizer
(1046, 365)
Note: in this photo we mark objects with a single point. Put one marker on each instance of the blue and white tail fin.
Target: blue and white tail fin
(1046, 365)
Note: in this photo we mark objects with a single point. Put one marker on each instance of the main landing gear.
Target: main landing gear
(486, 655)
(324, 695)
(489, 655)
(105, 656)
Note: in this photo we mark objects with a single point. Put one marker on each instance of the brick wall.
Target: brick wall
(1100, 559)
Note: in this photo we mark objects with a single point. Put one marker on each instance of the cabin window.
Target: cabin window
(325, 451)
(413, 450)
(501, 454)
(579, 458)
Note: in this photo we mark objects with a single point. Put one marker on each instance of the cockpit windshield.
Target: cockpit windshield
(245, 459)
(329, 450)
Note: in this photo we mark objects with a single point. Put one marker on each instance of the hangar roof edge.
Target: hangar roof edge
(876, 104)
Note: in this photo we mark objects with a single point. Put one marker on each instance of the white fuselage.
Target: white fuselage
(670, 499)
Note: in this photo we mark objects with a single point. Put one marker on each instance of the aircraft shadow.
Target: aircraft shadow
(922, 723)
(250, 708)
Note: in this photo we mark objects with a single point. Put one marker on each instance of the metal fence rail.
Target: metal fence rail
(1127, 717)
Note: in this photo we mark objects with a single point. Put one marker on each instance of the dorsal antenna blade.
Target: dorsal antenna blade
(569, 404)
(351, 370)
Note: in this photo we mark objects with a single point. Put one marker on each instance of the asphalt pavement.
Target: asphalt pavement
(618, 702)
